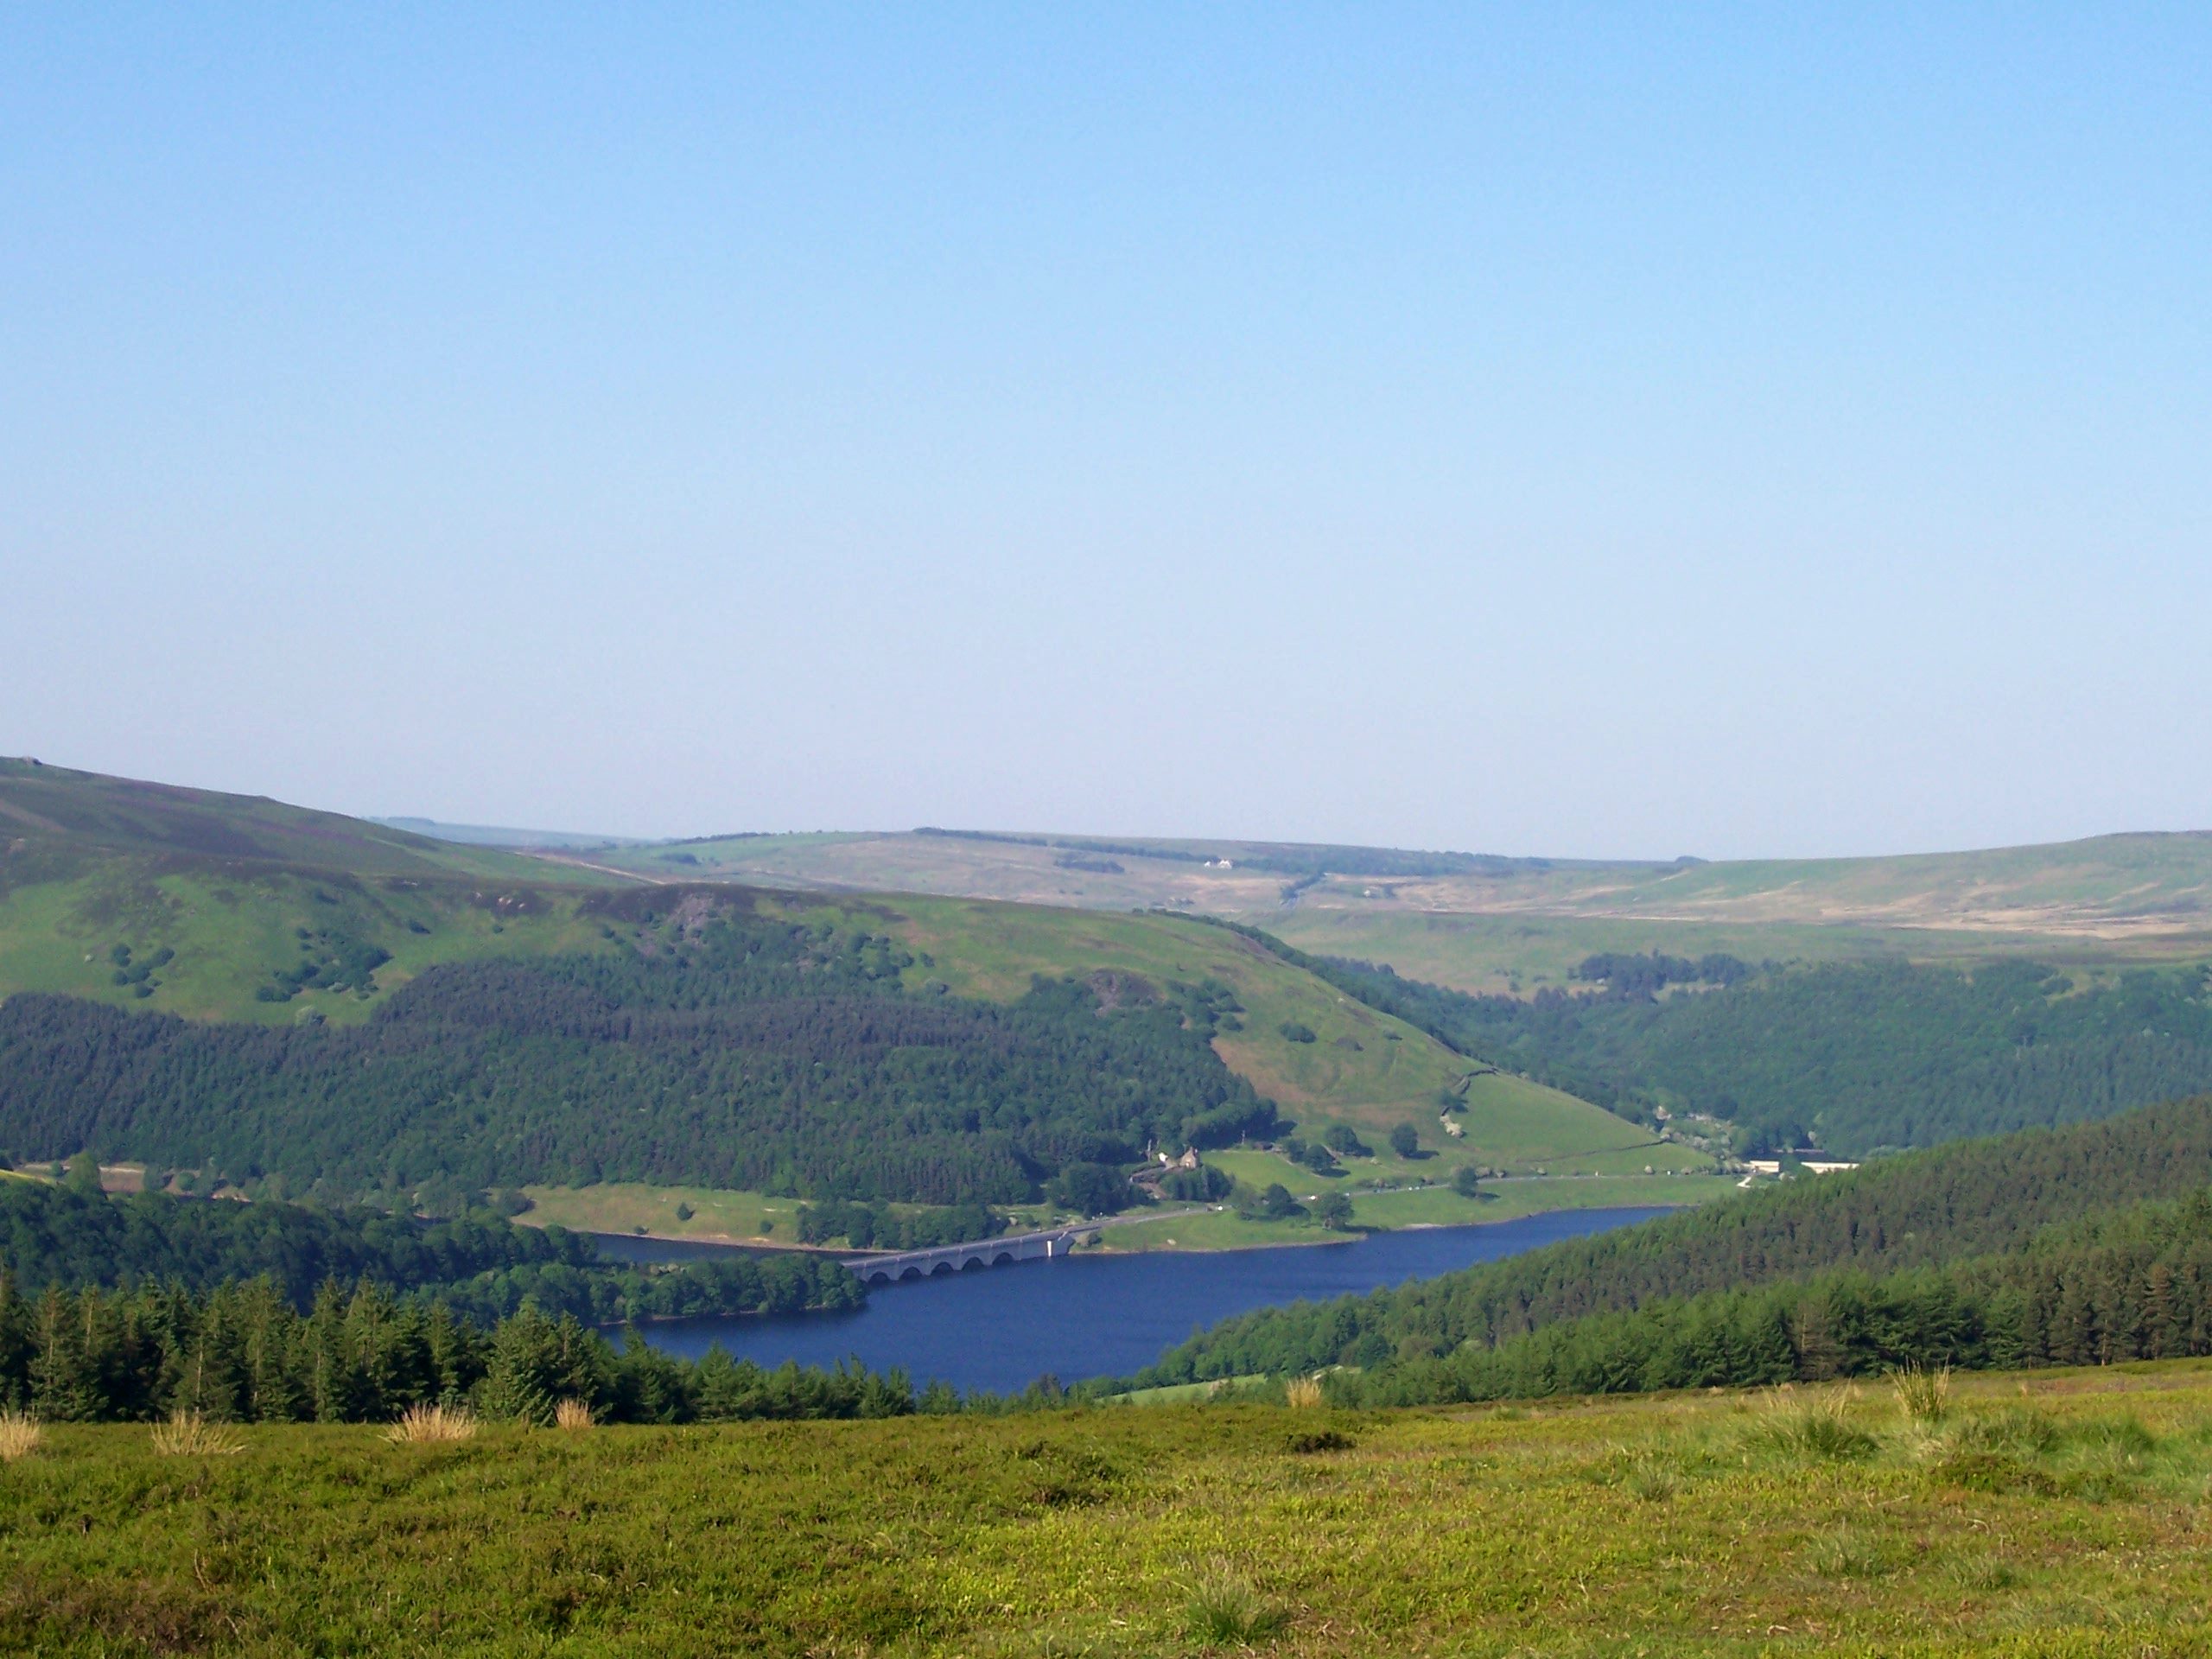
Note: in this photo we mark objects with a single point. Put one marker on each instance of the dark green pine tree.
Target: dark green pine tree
(272, 1385)
(520, 1383)
(64, 1376)
(207, 1373)
(455, 1354)
(18, 1343)
(649, 1386)
(378, 1343)
(332, 1389)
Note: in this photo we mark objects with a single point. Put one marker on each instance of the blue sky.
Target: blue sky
(1582, 430)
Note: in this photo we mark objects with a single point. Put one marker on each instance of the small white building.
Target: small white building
(1810, 1166)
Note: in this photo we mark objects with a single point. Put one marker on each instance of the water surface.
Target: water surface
(1089, 1315)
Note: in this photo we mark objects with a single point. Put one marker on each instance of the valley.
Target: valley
(1844, 1408)
(153, 901)
(1090, 832)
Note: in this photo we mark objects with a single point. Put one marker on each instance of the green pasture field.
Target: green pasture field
(1428, 1207)
(718, 1213)
(2051, 1514)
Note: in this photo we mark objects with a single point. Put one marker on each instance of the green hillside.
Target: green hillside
(2125, 1286)
(1362, 1068)
(58, 823)
(1854, 1057)
(239, 890)
(155, 899)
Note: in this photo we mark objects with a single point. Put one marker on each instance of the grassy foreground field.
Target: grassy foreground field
(2056, 1514)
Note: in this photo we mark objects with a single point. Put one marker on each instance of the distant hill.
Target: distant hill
(1494, 924)
(55, 822)
(484, 835)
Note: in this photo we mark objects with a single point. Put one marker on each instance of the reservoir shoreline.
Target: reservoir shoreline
(1093, 1313)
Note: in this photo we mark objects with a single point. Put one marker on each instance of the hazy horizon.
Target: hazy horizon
(410, 820)
(1540, 431)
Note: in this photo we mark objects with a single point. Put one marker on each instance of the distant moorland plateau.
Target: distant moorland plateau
(1486, 923)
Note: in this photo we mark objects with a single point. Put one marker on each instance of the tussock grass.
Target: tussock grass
(1303, 1392)
(1647, 1475)
(431, 1425)
(1812, 1424)
(2123, 1435)
(1847, 1553)
(188, 1434)
(572, 1416)
(1224, 1609)
(1923, 1396)
(2020, 1430)
(2023, 1452)
(1981, 1574)
(20, 1435)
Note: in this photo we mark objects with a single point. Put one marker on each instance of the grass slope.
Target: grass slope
(2058, 1514)
(1515, 954)
(229, 884)
(53, 817)
(1427, 1206)
(1362, 1069)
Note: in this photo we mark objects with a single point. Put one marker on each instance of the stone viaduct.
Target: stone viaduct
(889, 1266)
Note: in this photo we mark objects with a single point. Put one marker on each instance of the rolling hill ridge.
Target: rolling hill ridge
(1486, 923)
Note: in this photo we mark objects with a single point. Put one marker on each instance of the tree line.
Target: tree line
(877, 1226)
(241, 1352)
(481, 1266)
(1628, 973)
(2136, 1283)
(1859, 1057)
